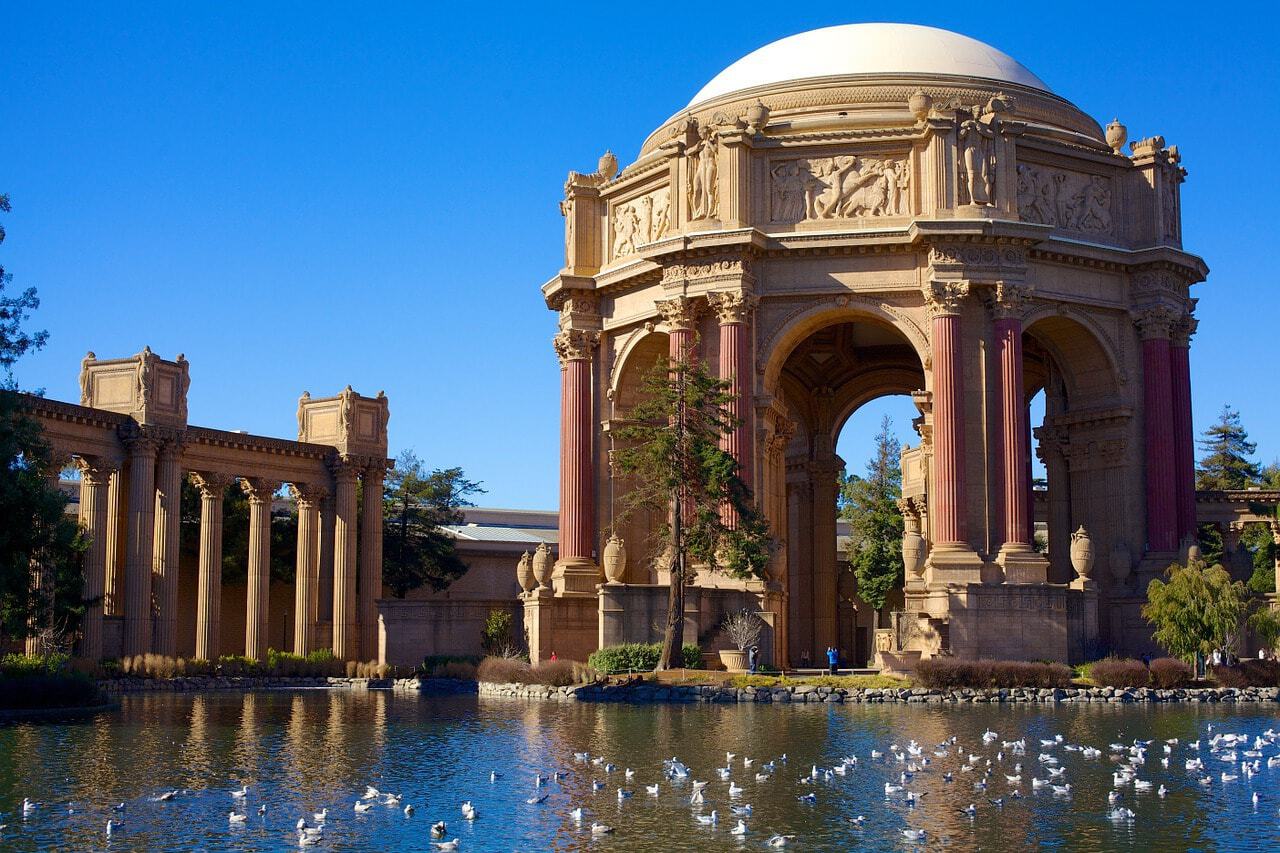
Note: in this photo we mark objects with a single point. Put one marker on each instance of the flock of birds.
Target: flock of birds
(1010, 774)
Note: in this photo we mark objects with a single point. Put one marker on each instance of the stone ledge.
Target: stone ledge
(805, 693)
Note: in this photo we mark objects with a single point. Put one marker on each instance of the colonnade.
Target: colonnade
(143, 588)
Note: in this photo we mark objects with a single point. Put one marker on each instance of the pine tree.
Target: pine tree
(671, 450)
(870, 504)
(416, 505)
(1227, 448)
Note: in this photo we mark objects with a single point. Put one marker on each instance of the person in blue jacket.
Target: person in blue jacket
(833, 659)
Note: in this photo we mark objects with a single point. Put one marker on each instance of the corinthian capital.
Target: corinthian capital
(259, 490)
(307, 494)
(575, 344)
(1155, 322)
(945, 298)
(210, 483)
(1008, 299)
(680, 312)
(1184, 329)
(732, 306)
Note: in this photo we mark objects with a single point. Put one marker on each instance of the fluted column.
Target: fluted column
(734, 309)
(139, 543)
(1155, 326)
(825, 479)
(1020, 561)
(307, 572)
(209, 587)
(951, 557)
(576, 570)
(344, 560)
(113, 590)
(681, 314)
(257, 596)
(1183, 435)
(324, 588)
(165, 549)
(370, 560)
(94, 488)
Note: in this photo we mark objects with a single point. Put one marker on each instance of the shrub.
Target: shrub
(44, 681)
(1120, 672)
(1229, 676)
(556, 673)
(503, 671)
(947, 673)
(640, 657)
(1249, 672)
(495, 637)
(1170, 674)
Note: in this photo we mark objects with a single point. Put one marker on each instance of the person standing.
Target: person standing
(833, 659)
(753, 659)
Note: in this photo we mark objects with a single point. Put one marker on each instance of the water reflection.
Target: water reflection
(303, 751)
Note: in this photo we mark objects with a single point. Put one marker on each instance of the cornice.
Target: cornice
(257, 443)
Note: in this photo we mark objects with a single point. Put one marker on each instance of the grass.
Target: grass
(726, 679)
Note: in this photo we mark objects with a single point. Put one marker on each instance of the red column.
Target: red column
(948, 504)
(1157, 395)
(1013, 431)
(1183, 437)
(734, 309)
(577, 502)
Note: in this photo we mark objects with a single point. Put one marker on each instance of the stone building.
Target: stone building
(882, 209)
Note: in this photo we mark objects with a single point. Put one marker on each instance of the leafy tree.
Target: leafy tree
(235, 534)
(37, 539)
(416, 505)
(670, 448)
(1227, 448)
(1199, 609)
(870, 504)
(495, 637)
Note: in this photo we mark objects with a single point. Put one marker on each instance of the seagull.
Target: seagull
(781, 840)
(740, 829)
(438, 829)
(711, 819)
(539, 780)
(362, 807)
(320, 816)
(913, 834)
(110, 827)
(596, 785)
(744, 809)
(242, 793)
(808, 798)
(235, 818)
(446, 845)
(970, 810)
(622, 795)
(651, 790)
(729, 756)
(408, 810)
(600, 829)
(762, 777)
(533, 801)
(166, 796)
(262, 810)
(735, 790)
(629, 773)
(1162, 791)
(494, 775)
(1062, 790)
(576, 815)
(469, 811)
(370, 793)
(858, 821)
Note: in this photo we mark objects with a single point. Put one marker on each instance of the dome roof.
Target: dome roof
(852, 49)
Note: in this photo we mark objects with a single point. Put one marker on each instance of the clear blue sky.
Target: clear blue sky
(301, 196)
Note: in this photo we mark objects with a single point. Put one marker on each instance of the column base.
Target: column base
(953, 563)
(1022, 564)
(575, 576)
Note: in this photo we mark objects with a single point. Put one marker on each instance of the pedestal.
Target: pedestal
(1022, 564)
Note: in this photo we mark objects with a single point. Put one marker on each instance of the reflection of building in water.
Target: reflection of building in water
(247, 748)
(195, 758)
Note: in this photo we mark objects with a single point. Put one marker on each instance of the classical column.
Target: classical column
(825, 477)
(257, 596)
(324, 589)
(306, 574)
(165, 549)
(344, 559)
(681, 315)
(1155, 326)
(209, 588)
(94, 489)
(733, 308)
(576, 569)
(951, 549)
(1183, 436)
(113, 590)
(370, 560)
(1020, 561)
(140, 541)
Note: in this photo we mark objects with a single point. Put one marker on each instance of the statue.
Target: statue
(703, 200)
(977, 159)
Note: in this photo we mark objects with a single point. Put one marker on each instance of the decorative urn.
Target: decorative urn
(524, 571)
(920, 104)
(615, 559)
(1117, 135)
(542, 564)
(608, 165)
(757, 117)
(913, 549)
(1082, 553)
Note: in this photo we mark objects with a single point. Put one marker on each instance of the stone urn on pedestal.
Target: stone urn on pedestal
(1082, 555)
(615, 559)
(542, 565)
(912, 550)
(524, 572)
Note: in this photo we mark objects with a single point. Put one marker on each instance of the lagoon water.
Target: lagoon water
(300, 751)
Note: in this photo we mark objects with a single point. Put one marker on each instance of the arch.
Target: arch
(889, 382)
(1090, 366)
(635, 348)
(804, 321)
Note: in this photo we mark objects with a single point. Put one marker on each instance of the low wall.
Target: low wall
(197, 683)
(650, 693)
(411, 629)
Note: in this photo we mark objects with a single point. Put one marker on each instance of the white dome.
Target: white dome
(852, 49)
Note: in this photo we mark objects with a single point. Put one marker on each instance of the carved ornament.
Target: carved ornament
(1008, 299)
(575, 344)
(211, 483)
(732, 306)
(1155, 322)
(680, 312)
(702, 186)
(945, 298)
(1064, 199)
(642, 220)
(846, 186)
(258, 490)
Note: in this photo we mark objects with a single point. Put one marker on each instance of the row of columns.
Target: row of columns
(148, 590)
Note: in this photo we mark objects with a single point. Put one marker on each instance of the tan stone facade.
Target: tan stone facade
(968, 241)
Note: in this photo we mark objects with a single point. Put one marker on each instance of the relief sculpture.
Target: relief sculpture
(1063, 199)
(841, 187)
(640, 221)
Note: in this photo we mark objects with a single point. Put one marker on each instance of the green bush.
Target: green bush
(640, 657)
(495, 637)
(44, 681)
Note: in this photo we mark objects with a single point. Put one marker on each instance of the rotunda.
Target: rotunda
(878, 209)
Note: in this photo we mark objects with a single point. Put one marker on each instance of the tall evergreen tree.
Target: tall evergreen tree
(671, 449)
(416, 505)
(1226, 463)
(870, 505)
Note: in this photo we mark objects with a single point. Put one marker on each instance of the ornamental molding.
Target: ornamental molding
(978, 260)
(1155, 322)
(307, 495)
(680, 312)
(1008, 300)
(258, 490)
(737, 268)
(945, 298)
(575, 344)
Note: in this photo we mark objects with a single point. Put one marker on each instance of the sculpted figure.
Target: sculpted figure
(977, 159)
(864, 192)
(625, 224)
(661, 217)
(1094, 208)
(788, 192)
(702, 180)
